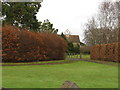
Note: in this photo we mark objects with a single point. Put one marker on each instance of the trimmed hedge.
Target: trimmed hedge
(20, 45)
(85, 49)
(107, 52)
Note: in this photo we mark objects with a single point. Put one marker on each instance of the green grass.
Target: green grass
(87, 57)
(84, 56)
(84, 74)
(41, 62)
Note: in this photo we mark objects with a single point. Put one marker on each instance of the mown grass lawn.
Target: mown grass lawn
(40, 62)
(84, 56)
(84, 74)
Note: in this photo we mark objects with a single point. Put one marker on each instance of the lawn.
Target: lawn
(84, 56)
(84, 74)
(40, 62)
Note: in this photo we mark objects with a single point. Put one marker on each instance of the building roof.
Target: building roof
(73, 38)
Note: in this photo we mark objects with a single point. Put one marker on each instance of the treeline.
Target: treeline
(23, 15)
(104, 27)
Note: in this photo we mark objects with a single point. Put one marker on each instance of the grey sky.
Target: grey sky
(68, 14)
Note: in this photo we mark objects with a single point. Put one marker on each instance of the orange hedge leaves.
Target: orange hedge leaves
(23, 45)
(107, 52)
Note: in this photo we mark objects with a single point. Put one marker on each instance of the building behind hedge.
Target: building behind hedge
(74, 39)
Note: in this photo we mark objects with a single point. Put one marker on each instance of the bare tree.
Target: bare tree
(108, 21)
(103, 28)
(90, 32)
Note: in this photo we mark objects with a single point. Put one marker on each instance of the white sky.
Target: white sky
(68, 14)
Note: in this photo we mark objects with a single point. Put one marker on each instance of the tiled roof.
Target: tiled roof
(73, 38)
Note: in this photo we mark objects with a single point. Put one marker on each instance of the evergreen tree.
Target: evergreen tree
(47, 26)
(64, 37)
(77, 49)
(21, 14)
(70, 47)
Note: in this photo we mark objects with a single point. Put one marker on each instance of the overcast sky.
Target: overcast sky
(68, 14)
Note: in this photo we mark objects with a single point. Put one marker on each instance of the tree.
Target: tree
(21, 14)
(91, 32)
(47, 26)
(108, 21)
(64, 37)
(70, 47)
(77, 49)
(104, 28)
(0, 12)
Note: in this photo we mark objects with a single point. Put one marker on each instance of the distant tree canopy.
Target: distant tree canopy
(23, 15)
(103, 28)
(47, 26)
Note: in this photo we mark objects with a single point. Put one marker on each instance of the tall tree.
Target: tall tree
(104, 28)
(0, 13)
(47, 26)
(21, 14)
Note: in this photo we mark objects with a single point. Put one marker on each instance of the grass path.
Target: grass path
(38, 63)
(84, 74)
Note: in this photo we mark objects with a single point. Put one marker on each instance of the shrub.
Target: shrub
(107, 52)
(20, 45)
(85, 49)
(71, 48)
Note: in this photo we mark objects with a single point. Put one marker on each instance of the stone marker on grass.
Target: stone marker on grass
(68, 84)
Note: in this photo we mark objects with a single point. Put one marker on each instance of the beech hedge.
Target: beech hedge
(19, 45)
(106, 52)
